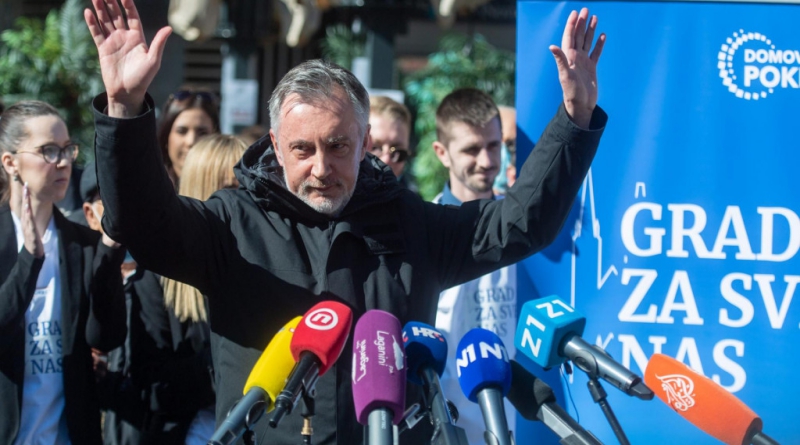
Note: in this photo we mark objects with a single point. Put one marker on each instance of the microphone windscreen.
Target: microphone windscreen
(379, 369)
(323, 332)
(425, 347)
(275, 364)
(543, 325)
(528, 393)
(699, 400)
(482, 362)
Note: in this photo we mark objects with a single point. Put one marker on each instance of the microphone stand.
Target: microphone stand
(249, 437)
(599, 396)
(444, 431)
(309, 406)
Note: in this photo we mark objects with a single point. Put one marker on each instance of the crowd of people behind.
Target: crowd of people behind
(86, 330)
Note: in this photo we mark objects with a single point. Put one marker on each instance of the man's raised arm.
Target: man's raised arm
(491, 234)
(170, 235)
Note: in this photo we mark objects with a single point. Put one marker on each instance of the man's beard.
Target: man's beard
(325, 205)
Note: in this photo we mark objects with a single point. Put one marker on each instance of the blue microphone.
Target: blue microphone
(484, 373)
(549, 333)
(425, 347)
(426, 356)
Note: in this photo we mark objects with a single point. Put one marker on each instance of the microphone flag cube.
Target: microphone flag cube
(543, 326)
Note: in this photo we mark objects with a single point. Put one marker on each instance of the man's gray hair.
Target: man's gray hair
(314, 81)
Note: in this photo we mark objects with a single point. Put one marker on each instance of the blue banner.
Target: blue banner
(684, 238)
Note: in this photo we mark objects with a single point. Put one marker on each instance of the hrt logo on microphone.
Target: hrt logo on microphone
(468, 354)
(423, 332)
(322, 319)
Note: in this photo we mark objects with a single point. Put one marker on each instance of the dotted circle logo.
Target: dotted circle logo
(725, 63)
(322, 319)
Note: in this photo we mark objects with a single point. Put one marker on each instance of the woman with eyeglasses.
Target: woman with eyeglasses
(60, 288)
(170, 335)
(187, 116)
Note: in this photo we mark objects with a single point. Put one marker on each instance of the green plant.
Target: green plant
(55, 61)
(341, 45)
(462, 61)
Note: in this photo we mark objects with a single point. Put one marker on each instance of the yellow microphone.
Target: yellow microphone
(266, 381)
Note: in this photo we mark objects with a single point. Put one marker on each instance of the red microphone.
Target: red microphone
(704, 403)
(316, 345)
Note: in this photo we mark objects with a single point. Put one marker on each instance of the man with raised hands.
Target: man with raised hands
(314, 217)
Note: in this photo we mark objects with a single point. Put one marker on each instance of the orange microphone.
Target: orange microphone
(704, 403)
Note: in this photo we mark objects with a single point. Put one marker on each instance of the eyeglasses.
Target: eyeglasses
(396, 154)
(187, 94)
(53, 154)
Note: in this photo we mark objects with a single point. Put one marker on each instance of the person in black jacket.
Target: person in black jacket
(60, 289)
(316, 217)
(170, 336)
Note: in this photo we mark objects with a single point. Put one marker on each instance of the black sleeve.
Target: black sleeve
(176, 377)
(106, 326)
(174, 236)
(484, 235)
(16, 294)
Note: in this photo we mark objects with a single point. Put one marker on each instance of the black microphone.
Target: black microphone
(534, 400)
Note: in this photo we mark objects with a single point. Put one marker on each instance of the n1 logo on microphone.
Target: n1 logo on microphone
(468, 355)
(482, 362)
(542, 325)
(418, 331)
(322, 319)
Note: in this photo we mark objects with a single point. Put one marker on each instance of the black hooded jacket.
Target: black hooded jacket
(262, 256)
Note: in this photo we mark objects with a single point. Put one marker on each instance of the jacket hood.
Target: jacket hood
(260, 173)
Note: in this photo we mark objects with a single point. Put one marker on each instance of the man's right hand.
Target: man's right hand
(127, 64)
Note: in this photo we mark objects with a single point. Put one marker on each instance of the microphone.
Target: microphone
(485, 377)
(534, 400)
(317, 343)
(379, 375)
(426, 351)
(262, 387)
(704, 403)
(549, 333)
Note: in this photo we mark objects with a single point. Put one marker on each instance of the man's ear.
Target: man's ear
(441, 153)
(91, 218)
(367, 145)
(274, 138)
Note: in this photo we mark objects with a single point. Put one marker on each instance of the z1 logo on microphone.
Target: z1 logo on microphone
(542, 325)
(322, 319)
(554, 312)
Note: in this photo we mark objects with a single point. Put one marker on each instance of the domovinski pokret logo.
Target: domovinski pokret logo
(679, 390)
(752, 67)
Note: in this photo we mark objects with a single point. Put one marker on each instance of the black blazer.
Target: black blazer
(92, 315)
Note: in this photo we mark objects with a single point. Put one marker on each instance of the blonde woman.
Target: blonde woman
(170, 347)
